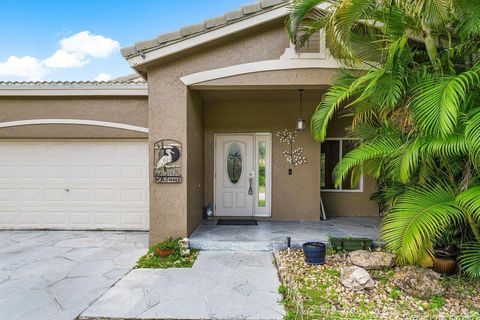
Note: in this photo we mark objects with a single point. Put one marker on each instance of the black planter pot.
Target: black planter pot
(314, 252)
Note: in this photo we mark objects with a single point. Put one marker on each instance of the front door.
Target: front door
(242, 174)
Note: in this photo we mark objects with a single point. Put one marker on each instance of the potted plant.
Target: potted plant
(165, 248)
(446, 251)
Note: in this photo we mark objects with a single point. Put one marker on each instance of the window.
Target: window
(262, 154)
(332, 151)
(234, 163)
(312, 45)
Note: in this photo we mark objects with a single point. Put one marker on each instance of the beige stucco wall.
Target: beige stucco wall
(171, 116)
(195, 187)
(125, 110)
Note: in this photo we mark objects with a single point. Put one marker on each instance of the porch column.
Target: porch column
(175, 113)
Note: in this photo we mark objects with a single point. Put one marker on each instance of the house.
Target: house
(94, 155)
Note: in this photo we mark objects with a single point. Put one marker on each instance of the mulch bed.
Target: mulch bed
(315, 292)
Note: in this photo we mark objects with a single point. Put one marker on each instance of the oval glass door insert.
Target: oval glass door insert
(234, 163)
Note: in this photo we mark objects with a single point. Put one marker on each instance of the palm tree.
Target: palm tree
(411, 83)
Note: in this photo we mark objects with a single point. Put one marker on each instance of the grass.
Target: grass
(175, 260)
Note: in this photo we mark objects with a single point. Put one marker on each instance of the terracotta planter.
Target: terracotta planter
(445, 262)
(163, 252)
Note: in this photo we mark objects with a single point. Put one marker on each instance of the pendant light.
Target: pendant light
(300, 121)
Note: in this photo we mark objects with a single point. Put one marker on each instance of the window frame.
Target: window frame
(322, 50)
(340, 157)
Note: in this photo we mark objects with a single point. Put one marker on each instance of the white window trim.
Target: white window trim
(340, 150)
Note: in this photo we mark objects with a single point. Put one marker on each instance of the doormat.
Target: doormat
(237, 222)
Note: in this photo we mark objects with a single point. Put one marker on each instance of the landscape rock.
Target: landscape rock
(372, 260)
(419, 282)
(356, 278)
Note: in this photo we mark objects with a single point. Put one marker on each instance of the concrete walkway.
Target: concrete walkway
(57, 274)
(221, 285)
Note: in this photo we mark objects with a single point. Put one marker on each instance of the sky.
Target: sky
(81, 39)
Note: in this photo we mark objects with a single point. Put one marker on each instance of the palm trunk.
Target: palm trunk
(430, 43)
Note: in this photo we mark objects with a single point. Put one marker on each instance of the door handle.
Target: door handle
(251, 175)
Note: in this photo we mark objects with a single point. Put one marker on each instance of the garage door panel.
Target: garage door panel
(7, 171)
(55, 195)
(74, 184)
(55, 172)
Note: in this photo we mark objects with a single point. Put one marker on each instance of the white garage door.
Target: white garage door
(74, 184)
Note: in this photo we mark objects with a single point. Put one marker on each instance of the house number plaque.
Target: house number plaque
(167, 165)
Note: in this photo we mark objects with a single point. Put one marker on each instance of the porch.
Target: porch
(270, 235)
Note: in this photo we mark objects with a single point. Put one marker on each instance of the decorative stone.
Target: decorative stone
(419, 282)
(356, 278)
(184, 247)
(372, 260)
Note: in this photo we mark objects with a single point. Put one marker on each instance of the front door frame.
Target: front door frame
(258, 137)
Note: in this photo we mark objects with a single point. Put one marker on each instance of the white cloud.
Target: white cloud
(25, 67)
(75, 52)
(84, 42)
(65, 59)
(103, 77)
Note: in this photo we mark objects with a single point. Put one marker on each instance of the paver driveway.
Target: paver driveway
(58, 274)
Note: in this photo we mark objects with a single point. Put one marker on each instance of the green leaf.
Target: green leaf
(382, 146)
(417, 219)
(469, 200)
(437, 102)
(469, 260)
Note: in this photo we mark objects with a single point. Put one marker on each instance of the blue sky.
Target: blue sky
(42, 40)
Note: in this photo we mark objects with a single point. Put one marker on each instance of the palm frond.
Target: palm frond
(410, 160)
(341, 24)
(433, 13)
(339, 93)
(451, 146)
(299, 13)
(472, 135)
(383, 146)
(417, 219)
(469, 200)
(437, 102)
(468, 15)
(469, 260)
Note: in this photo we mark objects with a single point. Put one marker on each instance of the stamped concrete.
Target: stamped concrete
(58, 274)
(270, 235)
(221, 285)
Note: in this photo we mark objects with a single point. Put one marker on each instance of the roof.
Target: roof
(111, 83)
(228, 18)
(134, 86)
